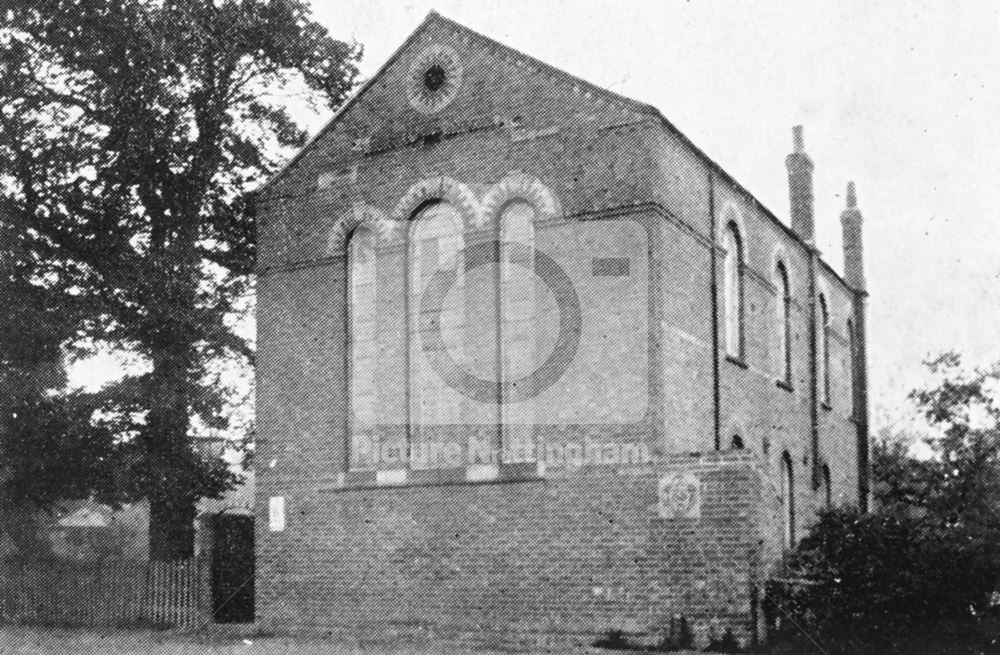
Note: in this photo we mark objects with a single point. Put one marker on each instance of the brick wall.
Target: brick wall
(569, 551)
(573, 552)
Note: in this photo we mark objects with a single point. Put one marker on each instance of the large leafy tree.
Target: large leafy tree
(49, 450)
(132, 133)
(921, 573)
(889, 582)
(959, 482)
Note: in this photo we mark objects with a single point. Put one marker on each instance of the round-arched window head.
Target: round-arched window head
(434, 78)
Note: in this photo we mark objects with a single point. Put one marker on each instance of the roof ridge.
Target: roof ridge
(358, 92)
(630, 103)
(432, 16)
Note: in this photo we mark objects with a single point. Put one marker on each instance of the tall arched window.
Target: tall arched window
(733, 290)
(362, 346)
(784, 324)
(823, 351)
(436, 242)
(517, 329)
(852, 366)
(788, 500)
(419, 310)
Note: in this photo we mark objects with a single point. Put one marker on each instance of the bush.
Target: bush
(888, 582)
(614, 640)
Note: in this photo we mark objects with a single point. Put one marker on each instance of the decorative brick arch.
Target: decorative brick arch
(779, 255)
(520, 186)
(823, 289)
(846, 313)
(731, 213)
(443, 189)
(359, 214)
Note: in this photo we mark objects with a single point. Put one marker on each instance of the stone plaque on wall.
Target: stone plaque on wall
(679, 496)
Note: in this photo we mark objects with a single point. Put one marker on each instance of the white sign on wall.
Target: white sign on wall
(276, 516)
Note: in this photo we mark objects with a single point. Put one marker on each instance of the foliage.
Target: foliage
(131, 135)
(917, 575)
(888, 582)
(49, 450)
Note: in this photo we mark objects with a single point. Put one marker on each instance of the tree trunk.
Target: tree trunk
(171, 529)
(172, 465)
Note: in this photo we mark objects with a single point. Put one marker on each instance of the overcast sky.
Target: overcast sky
(904, 98)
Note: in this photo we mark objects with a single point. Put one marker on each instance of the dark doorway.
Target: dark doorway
(233, 569)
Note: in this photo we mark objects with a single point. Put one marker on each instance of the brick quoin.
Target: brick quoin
(537, 550)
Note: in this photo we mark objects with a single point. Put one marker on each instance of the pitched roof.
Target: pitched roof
(624, 101)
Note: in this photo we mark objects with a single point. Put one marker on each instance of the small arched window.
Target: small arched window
(784, 324)
(733, 290)
(823, 351)
(788, 500)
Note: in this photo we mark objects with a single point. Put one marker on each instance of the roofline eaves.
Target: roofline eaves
(630, 103)
(351, 100)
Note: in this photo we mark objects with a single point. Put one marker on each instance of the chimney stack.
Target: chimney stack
(800, 188)
(851, 223)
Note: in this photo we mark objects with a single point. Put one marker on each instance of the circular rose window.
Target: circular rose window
(434, 78)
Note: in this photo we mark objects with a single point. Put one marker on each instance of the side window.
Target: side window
(784, 324)
(788, 500)
(852, 365)
(823, 351)
(733, 294)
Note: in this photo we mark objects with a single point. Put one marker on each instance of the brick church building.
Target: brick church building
(531, 363)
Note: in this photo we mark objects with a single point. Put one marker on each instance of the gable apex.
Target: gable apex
(572, 83)
(427, 48)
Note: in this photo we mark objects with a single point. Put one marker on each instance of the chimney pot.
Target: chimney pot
(800, 187)
(852, 222)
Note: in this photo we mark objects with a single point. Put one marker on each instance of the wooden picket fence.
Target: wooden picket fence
(111, 593)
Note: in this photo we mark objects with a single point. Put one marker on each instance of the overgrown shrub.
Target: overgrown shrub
(888, 582)
(614, 640)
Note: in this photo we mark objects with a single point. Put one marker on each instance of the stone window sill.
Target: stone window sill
(508, 472)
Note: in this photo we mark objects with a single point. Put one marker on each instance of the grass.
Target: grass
(91, 641)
